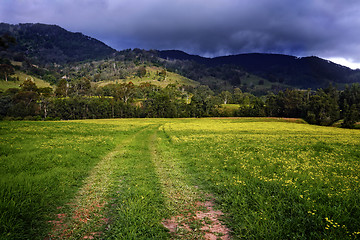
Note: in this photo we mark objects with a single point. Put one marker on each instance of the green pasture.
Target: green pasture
(153, 77)
(120, 178)
(22, 77)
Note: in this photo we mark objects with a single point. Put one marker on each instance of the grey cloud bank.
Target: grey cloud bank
(328, 29)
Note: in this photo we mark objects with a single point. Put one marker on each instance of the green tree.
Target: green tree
(25, 101)
(44, 97)
(272, 107)
(323, 108)
(202, 102)
(62, 88)
(6, 70)
(237, 96)
(50, 78)
(28, 86)
(162, 75)
(351, 117)
(350, 96)
(6, 40)
(124, 91)
(160, 105)
(141, 72)
(225, 96)
(81, 86)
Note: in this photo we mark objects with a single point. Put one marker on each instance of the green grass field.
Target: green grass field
(262, 178)
(22, 77)
(153, 78)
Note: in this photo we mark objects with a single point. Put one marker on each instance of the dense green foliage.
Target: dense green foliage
(53, 44)
(78, 99)
(306, 72)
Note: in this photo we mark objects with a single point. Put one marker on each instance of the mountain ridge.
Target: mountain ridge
(52, 44)
(301, 72)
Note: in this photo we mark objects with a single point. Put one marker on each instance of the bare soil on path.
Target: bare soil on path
(84, 217)
(194, 213)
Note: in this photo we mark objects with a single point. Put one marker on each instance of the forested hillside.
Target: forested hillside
(46, 44)
(91, 80)
(306, 72)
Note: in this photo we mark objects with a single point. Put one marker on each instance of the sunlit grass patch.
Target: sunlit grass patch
(42, 166)
(22, 77)
(277, 180)
(272, 179)
(137, 205)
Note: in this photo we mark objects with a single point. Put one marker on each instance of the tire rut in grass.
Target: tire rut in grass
(84, 217)
(192, 212)
(137, 205)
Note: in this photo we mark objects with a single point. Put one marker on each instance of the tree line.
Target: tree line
(79, 99)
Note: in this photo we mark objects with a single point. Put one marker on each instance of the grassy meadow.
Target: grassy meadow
(128, 178)
(22, 77)
(152, 77)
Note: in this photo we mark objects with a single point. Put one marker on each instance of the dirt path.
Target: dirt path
(192, 212)
(83, 218)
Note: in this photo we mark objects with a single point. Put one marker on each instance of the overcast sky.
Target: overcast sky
(326, 28)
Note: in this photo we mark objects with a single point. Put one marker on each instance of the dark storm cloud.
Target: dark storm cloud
(207, 27)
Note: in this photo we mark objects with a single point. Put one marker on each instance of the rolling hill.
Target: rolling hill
(306, 72)
(59, 50)
(52, 44)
